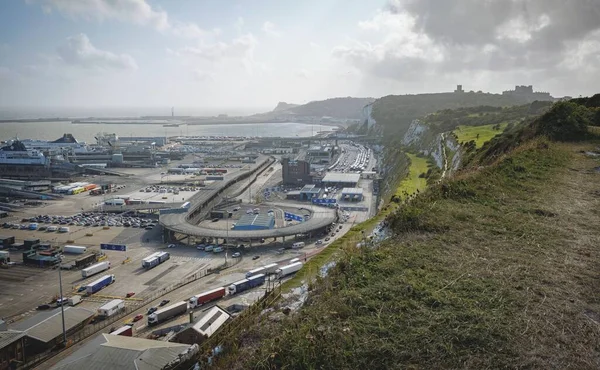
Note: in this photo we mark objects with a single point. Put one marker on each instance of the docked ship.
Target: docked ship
(171, 125)
(66, 142)
(17, 161)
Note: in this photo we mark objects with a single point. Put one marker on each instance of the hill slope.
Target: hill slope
(494, 268)
(349, 108)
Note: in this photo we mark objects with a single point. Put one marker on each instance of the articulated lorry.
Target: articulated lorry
(155, 259)
(97, 285)
(288, 269)
(205, 297)
(95, 269)
(246, 284)
(167, 313)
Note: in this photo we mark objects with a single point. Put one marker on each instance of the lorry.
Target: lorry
(97, 285)
(86, 260)
(114, 202)
(74, 249)
(74, 300)
(288, 269)
(126, 331)
(168, 312)
(246, 284)
(268, 269)
(94, 269)
(155, 259)
(205, 297)
(111, 308)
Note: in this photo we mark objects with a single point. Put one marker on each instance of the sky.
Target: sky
(252, 54)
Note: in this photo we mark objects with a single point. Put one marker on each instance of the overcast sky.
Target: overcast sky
(254, 53)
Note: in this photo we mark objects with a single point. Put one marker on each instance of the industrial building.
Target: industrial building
(352, 194)
(255, 222)
(309, 192)
(345, 180)
(44, 330)
(295, 172)
(214, 319)
(117, 352)
(12, 347)
(320, 154)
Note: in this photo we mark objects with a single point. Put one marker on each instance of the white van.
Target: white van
(218, 249)
(209, 248)
(63, 229)
(298, 245)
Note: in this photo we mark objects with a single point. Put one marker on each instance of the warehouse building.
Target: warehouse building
(118, 352)
(214, 319)
(44, 330)
(352, 194)
(295, 172)
(255, 222)
(344, 180)
(12, 348)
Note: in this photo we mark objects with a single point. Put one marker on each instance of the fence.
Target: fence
(96, 327)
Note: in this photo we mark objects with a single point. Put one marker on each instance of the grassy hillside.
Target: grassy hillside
(414, 182)
(479, 134)
(495, 268)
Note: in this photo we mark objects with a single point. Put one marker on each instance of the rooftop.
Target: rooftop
(118, 352)
(341, 177)
(263, 220)
(9, 336)
(211, 322)
(48, 325)
(352, 191)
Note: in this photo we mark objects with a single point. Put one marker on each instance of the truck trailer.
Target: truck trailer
(126, 331)
(288, 269)
(155, 259)
(85, 260)
(74, 249)
(74, 300)
(203, 298)
(246, 284)
(94, 269)
(167, 313)
(111, 308)
(97, 285)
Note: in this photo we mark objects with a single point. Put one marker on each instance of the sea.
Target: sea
(87, 132)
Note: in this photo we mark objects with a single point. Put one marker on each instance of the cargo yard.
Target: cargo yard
(200, 228)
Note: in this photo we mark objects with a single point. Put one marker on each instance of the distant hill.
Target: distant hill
(281, 106)
(348, 108)
(396, 112)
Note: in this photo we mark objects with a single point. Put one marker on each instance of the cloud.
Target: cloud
(134, 11)
(240, 47)
(314, 45)
(270, 29)
(418, 38)
(303, 73)
(239, 24)
(7, 74)
(79, 51)
(202, 76)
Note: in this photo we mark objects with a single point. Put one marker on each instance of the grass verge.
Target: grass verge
(480, 134)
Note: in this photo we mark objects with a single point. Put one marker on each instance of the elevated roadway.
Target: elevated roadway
(210, 196)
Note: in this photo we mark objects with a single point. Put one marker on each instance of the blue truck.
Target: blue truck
(155, 259)
(97, 285)
(246, 284)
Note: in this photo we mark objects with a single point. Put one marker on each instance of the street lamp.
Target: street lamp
(62, 303)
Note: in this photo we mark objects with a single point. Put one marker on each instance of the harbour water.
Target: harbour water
(86, 132)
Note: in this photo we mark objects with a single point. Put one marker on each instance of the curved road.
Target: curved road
(180, 222)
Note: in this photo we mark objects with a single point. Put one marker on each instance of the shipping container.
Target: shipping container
(90, 187)
(84, 261)
(206, 297)
(74, 249)
(114, 202)
(111, 308)
(167, 313)
(95, 269)
(99, 284)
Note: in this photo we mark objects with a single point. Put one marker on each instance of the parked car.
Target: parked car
(138, 317)
(43, 307)
(130, 294)
(255, 258)
(171, 245)
(236, 255)
(151, 310)
(164, 302)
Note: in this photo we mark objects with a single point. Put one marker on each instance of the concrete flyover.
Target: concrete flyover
(210, 196)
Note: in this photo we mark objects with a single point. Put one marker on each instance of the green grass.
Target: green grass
(413, 182)
(486, 133)
(490, 270)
